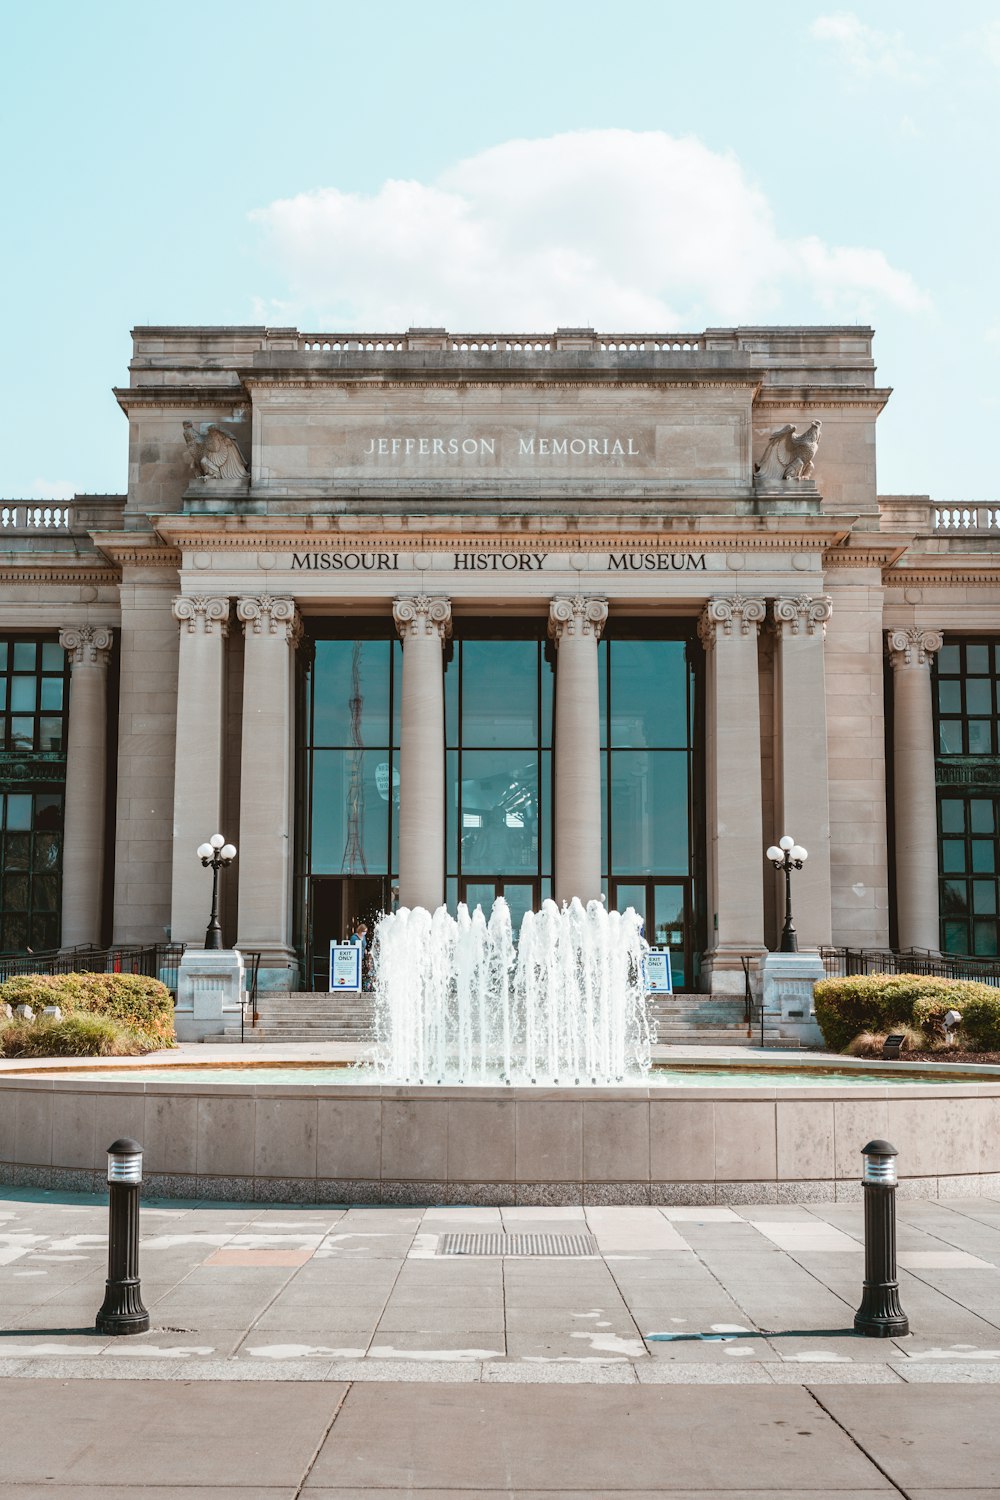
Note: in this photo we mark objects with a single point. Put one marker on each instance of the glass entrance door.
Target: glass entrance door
(336, 905)
(520, 895)
(664, 908)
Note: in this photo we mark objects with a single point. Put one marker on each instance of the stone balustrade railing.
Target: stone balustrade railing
(968, 518)
(497, 343)
(31, 516)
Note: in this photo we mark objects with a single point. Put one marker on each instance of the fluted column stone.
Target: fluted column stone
(911, 653)
(728, 630)
(424, 624)
(575, 624)
(272, 629)
(89, 648)
(801, 758)
(204, 625)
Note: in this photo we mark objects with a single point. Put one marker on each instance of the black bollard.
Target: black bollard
(123, 1311)
(880, 1315)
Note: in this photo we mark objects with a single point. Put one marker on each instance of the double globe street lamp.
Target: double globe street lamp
(787, 855)
(217, 855)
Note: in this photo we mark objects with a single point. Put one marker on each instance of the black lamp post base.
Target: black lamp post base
(880, 1315)
(122, 1311)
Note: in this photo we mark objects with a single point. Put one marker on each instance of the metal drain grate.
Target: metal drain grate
(517, 1244)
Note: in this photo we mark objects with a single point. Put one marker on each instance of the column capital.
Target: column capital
(721, 617)
(422, 615)
(202, 613)
(577, 616)
(270, 615)
(88, 645)
(913, 647)
(802, 614)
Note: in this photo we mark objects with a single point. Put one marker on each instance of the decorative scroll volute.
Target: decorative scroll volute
(802, 615)
(88, 645)
(203, 613)
(577, 616)
(721, 618)
(268, 615)
(422, 615)
(913, 647)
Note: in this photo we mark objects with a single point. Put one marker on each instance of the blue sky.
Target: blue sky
(636, 165)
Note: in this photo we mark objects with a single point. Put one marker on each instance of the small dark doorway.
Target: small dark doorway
(337, 903)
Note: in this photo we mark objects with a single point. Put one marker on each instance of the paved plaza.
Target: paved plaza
(343, 1352)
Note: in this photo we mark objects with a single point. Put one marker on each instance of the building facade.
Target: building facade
(434, 618)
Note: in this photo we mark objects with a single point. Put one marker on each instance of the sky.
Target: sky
(642, 165)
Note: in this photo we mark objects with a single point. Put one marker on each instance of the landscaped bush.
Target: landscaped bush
(79, 1035)
(880, 1003)
(141, 1010)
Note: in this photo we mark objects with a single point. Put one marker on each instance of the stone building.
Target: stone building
(431, 617)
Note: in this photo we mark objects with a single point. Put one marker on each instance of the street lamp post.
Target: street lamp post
(787, 855)
(217, 855)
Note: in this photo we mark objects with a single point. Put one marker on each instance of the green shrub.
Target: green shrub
(79, 1035)
(881, 1003)
(140, 1005)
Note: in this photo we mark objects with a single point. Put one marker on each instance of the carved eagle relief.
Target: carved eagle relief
(213, 454)
(789, 454)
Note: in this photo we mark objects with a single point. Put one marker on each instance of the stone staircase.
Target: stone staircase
(683, 1020)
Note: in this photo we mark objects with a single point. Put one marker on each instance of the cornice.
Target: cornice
(780, 397)
(953, 575)
(457, 382)
(183, 397)
(137, 549)
(61, 570)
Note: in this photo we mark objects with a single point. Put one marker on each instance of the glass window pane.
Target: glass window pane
(50, 734)
(604, 810)
(15, 893)
(985, 936)
(44, 932)
(3, 656)
(631, 895)
(648, 694)
(950, 736)
(15, 932)
(53, 657)
(602, 688)
(24, 656)
(17, 851)
(47, 851)
(981, 813)
(984, 896)
(52, 693)
(498, 818)
(952, 854)
(22, 734)
(350, 817)
(979, 695)
(48, 811)
(500, 693)
(22, 694)
(950, 659)
(977, 659)
(18, 810)
(983, 855)
(397, 690)
(452, 673)
(44, 891)
(548, 676)
(956, 937)
(649, 824)
(545, 812)
(520, 897)
(980, 737)
(481, 893)
(351, 692)
(952, 815)
(954, 898)
(451, 795)
(950, 697)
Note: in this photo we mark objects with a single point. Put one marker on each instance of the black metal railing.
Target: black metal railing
(157, 961)
(249, 1006)
(842, 963)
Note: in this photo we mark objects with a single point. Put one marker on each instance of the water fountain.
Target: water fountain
(458, 1001)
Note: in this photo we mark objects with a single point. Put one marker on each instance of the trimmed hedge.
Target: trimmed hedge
(79, 1035)
(885, 1002)
(140, 1009)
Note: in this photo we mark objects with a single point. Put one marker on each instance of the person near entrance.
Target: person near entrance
(359, 937)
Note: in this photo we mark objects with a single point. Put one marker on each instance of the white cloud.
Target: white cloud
(51, 489)
(866, 50)
(618, 229)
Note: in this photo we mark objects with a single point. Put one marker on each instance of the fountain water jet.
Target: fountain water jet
(457, 1001)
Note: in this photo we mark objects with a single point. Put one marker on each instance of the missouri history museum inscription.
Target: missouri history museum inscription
(499, 562)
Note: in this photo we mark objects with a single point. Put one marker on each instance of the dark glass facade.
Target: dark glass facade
(966, 679)
(34, 697)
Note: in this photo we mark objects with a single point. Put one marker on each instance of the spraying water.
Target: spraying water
(457, 1001)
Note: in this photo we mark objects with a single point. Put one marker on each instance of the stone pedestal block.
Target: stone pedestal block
(789, 1012)
(210, 987)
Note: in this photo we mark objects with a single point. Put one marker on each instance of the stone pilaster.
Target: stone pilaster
(801, 756)
(204, 625)
(271, 628)
(575, 624)
(911, 653)
(424, 624)
(89, 647)
(728, 630)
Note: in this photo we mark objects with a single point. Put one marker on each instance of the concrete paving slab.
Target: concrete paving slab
(923, 1438)
(521, 1438)
(148, 1492)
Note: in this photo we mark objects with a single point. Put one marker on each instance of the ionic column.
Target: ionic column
(728, 630)
(424, 624)
(204, 625)
(801, 760)
(576, 625)
(89, 648)
(915, 795)
(272, 629)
